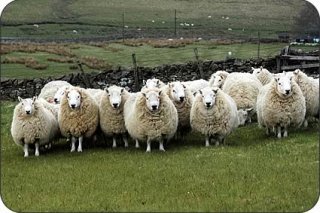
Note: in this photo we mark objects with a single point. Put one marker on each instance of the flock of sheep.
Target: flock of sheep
(160, 111)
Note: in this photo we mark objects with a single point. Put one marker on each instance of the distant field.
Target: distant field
(112, 55)
(100, 18)
(253, 173)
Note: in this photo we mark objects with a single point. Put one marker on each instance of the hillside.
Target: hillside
(149, 18)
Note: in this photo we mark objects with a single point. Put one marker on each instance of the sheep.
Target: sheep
(78, 116)
(196, 85)
(262, 74)
(244, 116)
(310, 90)
(280, 105)
(244, 89)
(49, 90)
(153, 83)
(111, 113)
(217, 79)
(214, 114)
(53, 108)
(182, 99)
(60, 92)
(32, 123)
(150, 115)
(96, 94)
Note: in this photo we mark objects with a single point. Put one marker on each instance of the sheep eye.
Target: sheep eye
(173, 90)
(279, 84)
(219, 80)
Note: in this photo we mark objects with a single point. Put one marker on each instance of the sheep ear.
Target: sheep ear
(106, 89)
(200, 91)
(144, 82)
(249, 109)
(160, 92)
(261, 68)
(184, 86)
(276, 78)
(20, 99)
(296, 71)
(158, 81)
(284, 72)
(144, 94)
(195, 93)
(34, 98)
(170, 85)
(215, 89)
(252, 69)
(122, 90)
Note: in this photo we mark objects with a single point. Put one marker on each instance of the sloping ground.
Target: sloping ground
(150, 18)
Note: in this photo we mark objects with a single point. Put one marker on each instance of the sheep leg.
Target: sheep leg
(267, 131)
(285, 133)
(279, 132)
(73, 144)
(114, 142)
(137, 144)
(161, 148)
(26, 150)
(80, 144)
(207, 141)
(305, 123)
(148, 145)
(125, 139)
(37, 149)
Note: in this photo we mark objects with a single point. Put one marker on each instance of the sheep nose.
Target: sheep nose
(208, 104)
(154, 107)
(55, 100)
(181, 99)
(28, 112)
(115, 105)
(287, 92)
(73, 106)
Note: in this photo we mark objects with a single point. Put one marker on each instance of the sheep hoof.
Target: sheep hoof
(163, 150)
(279, 136)
(36, 154)
(72, 150)
(26, 155)
(79, 150)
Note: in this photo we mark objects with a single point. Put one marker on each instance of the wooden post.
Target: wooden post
(85, 80)
(175, 23)
(258, 44)
(198, 62)
(123, 27)
(136, 74)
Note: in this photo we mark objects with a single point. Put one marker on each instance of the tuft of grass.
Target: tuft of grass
(253, 173)
(27, 61)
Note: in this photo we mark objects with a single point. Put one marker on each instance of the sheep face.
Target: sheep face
(28, 105)
(115, 96)
(208, 97)
(257, 71)
(59, 94)
(153, 83)
(218, 81)
(74, 99)
(152, 100)
(243, 115)
(177, 92)
(283, 82)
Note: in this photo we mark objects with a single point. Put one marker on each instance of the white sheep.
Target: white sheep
(152, 83)
(150, 115)
(111, 113)
(280, 105)
(96, 94)
(49, 90)
(310, 90)
(32, 123)
(213, 114)
(196, 85)
(59, 94)
(78, 116)
(244, 116)
(262, 74)
(217, 79)
(182, 99)
(243, 89)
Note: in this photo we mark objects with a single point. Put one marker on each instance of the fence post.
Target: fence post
(85, 80)
(198, 62)
(123, 27)
(258, 44)
(175, 23)
(136, 74)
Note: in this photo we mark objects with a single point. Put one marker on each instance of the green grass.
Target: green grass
(58, 18)
(253, 173)
(117, 54)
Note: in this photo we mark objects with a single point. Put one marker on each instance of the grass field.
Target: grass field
(99, 18)
(252, 173)
(113, 55)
